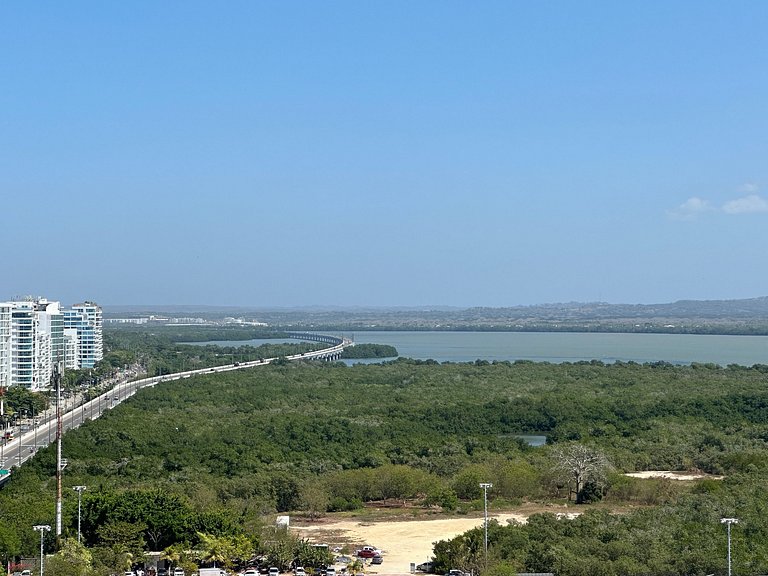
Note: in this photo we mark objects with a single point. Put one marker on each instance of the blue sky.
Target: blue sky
(383, 153)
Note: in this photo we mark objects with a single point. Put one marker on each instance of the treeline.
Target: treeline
(194, 333)
(160, 351)
(369, 351)
(682, 537)
(318, 437)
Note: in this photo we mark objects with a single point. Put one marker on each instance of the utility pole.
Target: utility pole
(485, 486)
(42, 528)
(57, 377)
(728, 522)
(79, 490)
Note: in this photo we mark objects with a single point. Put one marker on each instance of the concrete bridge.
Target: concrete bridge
(337, 345)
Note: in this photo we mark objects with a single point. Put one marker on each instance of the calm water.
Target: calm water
(563, 347)
(572, 347)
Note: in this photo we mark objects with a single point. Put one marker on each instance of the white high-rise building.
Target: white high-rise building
(70, 348)
(5, 344)
(49, 340)
(86, 321)
(36, 335)
(23, 344)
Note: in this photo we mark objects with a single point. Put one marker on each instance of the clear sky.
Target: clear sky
(279, 153)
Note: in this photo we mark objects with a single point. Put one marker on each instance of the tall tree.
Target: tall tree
(578, 465)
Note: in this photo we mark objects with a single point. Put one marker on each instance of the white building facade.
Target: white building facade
(35, 337)
(86, 321)
(5, 344)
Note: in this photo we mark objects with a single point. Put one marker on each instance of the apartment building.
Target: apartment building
(84, 323)
(5, 344)
(37, 334)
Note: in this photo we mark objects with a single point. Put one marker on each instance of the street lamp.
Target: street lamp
(728, 522)
(79, 490)
(34, 426)
(485, 486)
(42, 528)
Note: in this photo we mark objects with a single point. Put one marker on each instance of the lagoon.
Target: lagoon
(560, 347)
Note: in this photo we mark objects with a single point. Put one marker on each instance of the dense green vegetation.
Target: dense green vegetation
(161, 351)
(370, 351)
(226, 449)
(195, 333)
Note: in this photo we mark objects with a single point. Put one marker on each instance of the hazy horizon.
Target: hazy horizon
(406, 307)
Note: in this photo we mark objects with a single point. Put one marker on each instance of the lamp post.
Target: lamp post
(79, 490)
(728, 522)
(485, 486)
(23, 411)
(42, 528)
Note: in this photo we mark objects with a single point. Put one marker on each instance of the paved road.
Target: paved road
(18, 451)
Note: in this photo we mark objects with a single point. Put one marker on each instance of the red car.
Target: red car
(368, 552)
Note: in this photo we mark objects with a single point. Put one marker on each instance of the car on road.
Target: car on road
(427, 567)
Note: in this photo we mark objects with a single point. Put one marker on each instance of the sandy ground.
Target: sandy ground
(672, 475)
(401, 542)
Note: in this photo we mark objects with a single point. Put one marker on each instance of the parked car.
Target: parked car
(378, 559)
(273, 571)
(427, 567)
(251, 572)
(343, 559)
(299, 571)
(330, 571)
(367, 552)
(178, 572)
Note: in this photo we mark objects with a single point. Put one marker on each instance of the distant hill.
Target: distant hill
(704, 309)
(747, 316)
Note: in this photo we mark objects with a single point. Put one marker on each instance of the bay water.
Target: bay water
(559, 347)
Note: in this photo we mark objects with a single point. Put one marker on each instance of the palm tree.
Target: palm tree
(172, 554)
(215, 549)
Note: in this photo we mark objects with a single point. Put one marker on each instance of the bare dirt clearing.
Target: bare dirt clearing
(670, 475)
(402, 541)
(406, 540)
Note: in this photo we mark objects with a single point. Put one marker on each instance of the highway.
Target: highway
(21, 449)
